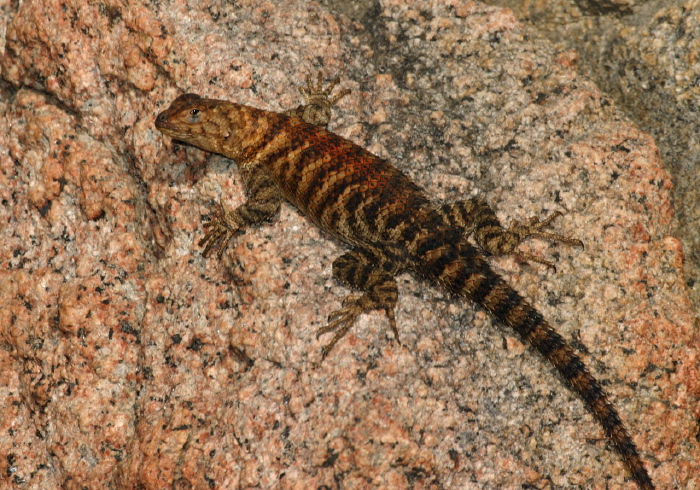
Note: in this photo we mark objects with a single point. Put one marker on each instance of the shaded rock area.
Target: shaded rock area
(646, 56)
(131, 361)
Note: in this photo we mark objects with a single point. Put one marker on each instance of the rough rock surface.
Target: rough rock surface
(130, 361)
(644, 54)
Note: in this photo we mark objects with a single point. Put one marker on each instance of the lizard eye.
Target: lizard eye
(193, 116)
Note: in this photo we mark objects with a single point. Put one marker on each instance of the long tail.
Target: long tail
(463, 271)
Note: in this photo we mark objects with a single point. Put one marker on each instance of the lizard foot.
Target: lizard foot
(317, 109)
(220, 231)
(316, 95)
(354, 304)
(533, 228)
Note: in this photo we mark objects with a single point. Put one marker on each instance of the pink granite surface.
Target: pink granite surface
(121, 345)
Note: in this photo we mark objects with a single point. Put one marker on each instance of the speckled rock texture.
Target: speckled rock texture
(130, 361)
(646, 55)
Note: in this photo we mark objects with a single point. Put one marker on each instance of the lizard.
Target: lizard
(388, 221)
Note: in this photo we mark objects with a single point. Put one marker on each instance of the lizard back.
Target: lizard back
(347, 191)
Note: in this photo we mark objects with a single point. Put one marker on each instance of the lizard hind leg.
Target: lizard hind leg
(373, 274)
(476, 217)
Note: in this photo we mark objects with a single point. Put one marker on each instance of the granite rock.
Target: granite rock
(130, 361)
(644, 54)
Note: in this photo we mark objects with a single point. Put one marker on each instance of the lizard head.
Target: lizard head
(195, 120)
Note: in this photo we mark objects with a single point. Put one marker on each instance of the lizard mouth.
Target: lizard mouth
(168, 129)
(163, 124)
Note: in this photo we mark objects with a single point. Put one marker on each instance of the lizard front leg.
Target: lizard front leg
(476, 217)
(318, 102)
(263, 204)
(373, 274)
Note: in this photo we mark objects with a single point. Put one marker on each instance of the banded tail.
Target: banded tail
(462, 270)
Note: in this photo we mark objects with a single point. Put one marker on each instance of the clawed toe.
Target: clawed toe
(316, 94)
(533, 228)
(218, 236)
(220, 231)
(340, 321)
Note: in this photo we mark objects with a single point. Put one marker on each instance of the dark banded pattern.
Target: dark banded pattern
(464, 274)
(366, 202)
